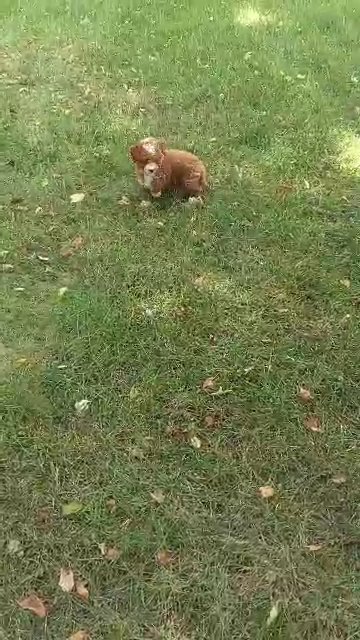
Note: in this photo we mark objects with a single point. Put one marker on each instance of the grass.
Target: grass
(259, 290)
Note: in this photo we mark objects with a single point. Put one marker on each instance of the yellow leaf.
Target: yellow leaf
(195, 442)
(274, 612)
(71, 507)
(77, 197)
(346, 283)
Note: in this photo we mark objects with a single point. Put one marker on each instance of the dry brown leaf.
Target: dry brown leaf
(79, 635)
(165, 558)
(339, 479)
(158, 496)
(177, 433)
(77, 242)
(304, 394)
(81, 590)
(209, 422)
(111, 505)
(66, 580)
(209, 385)
(314, 547)
(112, 553)
(266, 491)
(34, 604)
(313, 423)
(66, 252)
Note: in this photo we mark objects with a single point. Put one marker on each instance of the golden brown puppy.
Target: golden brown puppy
(160, 169)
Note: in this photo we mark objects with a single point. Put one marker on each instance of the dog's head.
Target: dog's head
(148, 150)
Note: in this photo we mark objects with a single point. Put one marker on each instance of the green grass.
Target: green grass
(273, 109)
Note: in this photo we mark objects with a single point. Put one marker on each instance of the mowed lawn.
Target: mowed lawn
(189, 332)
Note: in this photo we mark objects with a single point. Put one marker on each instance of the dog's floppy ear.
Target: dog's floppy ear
(137, 153)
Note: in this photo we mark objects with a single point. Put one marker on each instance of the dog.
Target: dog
(160, 169)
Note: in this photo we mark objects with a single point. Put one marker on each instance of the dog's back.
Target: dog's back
(187, 171)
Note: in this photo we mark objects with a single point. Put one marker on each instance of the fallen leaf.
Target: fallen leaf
(137, 453)
(111, 505)
(209, 385)
(266, 491)
(177, 433)
(62, 291)
(66, 580)
(34, 604)
(165, 558)
(81, 590)
(339, 479)
(200, 282)
(145, 204)
(304, 394)
(210, 422)
(314, 547)
(14, 548)
(273, 614)
(102, 547)
(81, 406)
(158, 496)
(71, 507)
(134, 392)
(112, 553)
(284, 189)
(124, 201)
(7, 268)
(195, 442)
(79, 635)
(77, 242)
(312, 423)
(77, 197)
(44, 518)
(42, 258)
(66, 252)
(346, 283)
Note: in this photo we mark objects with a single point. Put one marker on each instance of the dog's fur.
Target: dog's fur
(161, 169)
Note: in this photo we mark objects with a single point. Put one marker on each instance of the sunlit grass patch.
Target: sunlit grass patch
(349, 152)
(249, 16)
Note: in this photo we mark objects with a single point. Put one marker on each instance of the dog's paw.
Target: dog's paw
(156, 195)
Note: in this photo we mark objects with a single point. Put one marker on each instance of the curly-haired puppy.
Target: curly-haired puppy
(161, 169)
